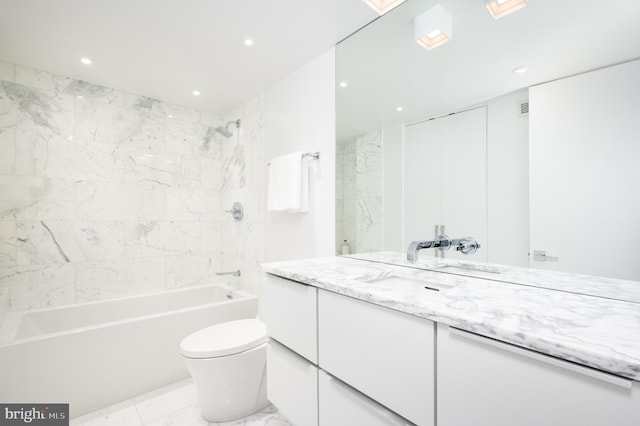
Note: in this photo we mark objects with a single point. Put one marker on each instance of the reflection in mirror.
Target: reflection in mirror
(559, 139)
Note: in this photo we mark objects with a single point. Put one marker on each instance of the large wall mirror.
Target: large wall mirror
(523, 132)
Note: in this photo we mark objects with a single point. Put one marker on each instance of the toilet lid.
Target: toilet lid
(224, 339)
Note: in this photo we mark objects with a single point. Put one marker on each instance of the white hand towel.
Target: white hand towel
(288, 184)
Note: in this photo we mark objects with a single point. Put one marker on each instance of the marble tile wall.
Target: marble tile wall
(340, 227)
(361, 193)
(244, 177)
(106, 194)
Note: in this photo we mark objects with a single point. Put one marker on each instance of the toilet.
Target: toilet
(228, 364)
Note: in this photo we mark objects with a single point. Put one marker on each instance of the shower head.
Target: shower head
(225, 130)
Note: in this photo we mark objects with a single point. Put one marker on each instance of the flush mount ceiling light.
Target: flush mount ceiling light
(433, 28)
(499, 8)
(86, 61)
(383, 6)
(248, 42)
(196, 93)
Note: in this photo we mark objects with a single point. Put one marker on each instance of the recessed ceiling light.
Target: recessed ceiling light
(170, 116)
(399, 108)
(86, 61)
(343, 84)
(196, 93)
(248, 42)
(382, 6)
(500, 8)
(520, 70)
(433, 28)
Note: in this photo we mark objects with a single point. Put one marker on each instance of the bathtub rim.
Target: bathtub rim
(9, 327)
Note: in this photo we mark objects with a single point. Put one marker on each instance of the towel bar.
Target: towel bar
(314, 155)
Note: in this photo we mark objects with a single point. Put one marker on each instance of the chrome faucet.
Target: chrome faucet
(466, 245)
(442, 242)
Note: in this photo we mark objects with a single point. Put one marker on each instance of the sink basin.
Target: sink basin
(404, 284)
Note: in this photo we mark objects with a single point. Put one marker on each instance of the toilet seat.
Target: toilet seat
(224, 339)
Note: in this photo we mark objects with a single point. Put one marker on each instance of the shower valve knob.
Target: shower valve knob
(236, 211)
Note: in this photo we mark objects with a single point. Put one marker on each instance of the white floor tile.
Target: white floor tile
(123, 414)
(269, 416)
(161, 402)
(189, 416)
(173, 405)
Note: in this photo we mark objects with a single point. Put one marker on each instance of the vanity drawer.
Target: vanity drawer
(485, 382)
(292, 315)
(292, 385)
(384, 354)
(342, 405)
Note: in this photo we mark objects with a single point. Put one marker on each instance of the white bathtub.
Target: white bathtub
(92, 355)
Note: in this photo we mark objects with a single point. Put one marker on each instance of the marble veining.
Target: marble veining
(105, 193)
(359, 188)
(593, 331)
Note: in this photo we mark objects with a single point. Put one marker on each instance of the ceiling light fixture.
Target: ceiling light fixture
(520, 70)
(343, 84)
(500, 8)
(196, 93)
(383, 6)
(399, 108)
(86, 61)
(248, 42)
(433, 28)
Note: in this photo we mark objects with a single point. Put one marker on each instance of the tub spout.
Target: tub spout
(232, 273)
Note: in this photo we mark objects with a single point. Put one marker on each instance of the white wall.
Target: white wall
(508, 180)
(300, 116)
(584, 174)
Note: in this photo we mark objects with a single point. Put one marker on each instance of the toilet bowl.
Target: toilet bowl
(227, 362)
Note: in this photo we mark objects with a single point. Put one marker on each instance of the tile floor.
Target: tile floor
(173, 405)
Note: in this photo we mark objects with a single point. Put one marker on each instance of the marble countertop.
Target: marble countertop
(594, 331)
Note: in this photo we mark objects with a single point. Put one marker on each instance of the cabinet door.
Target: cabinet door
(292, 315)
(483, 382)
(385, 354)
(342, 405)
(292, 385)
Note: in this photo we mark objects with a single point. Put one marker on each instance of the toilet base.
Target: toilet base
(231, 387)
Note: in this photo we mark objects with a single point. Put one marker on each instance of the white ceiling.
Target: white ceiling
(165, 49)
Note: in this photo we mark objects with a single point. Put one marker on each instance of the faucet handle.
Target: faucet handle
(467, 245)
(443, 242)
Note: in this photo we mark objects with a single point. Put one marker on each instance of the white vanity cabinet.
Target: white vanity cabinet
(292, 315)
(385, 354)
(292, 352)
(292, 384)
(333, 360)
(341, 404)
(483, 382)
